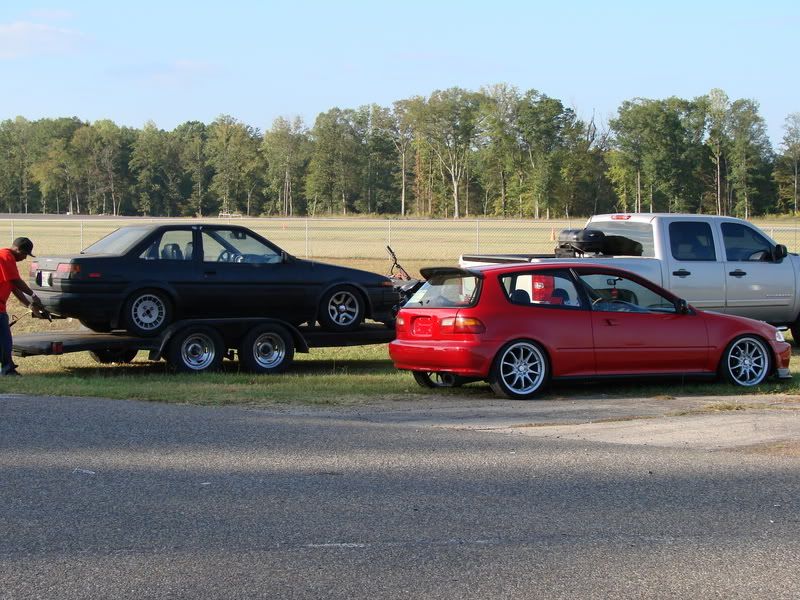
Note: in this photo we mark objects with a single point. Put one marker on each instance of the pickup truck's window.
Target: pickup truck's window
(691, 241)
(743, 243)
(638, 232)
(542, 288)
(611, 293)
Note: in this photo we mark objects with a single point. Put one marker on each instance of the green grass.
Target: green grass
(326, 376)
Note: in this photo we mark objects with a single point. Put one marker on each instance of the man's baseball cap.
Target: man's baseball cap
(25, 245)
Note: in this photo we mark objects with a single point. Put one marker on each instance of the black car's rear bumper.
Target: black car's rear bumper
(84, 306)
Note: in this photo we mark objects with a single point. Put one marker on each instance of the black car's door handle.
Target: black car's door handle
(681, 273)
(737, 273)
(209, 272)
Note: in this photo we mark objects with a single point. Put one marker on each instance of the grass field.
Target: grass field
(325, 376)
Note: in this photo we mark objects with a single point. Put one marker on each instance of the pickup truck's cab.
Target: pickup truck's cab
(715, 262)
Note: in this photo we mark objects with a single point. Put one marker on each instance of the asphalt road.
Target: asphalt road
(450, 499)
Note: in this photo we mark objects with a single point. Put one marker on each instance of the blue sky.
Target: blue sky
(176, 61)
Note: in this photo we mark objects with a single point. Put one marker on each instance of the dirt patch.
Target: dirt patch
(784, 449)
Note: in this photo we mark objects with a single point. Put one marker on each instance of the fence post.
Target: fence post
(306, 237)
(81, 248)
(477, 236)
(12, 230)
(389, 238)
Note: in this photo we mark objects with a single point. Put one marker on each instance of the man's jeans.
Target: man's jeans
(6, 346)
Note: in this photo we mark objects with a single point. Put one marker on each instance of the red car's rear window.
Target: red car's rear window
(446, 291)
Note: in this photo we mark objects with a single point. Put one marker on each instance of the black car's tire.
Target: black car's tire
(266, 349)
(746, 361)
(520, 370)
(147, 313)
(435, 379)
(97, 326)
(341, 309)
(117, 355)
(196, 350)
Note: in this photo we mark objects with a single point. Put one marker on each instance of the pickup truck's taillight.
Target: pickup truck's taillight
(66, 270)
(462, 325)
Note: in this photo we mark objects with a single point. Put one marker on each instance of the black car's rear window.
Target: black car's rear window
(443, 291)
(119, 241)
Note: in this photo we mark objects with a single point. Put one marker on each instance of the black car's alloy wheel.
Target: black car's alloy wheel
(147, 313)
(266, 349)
(342, 309)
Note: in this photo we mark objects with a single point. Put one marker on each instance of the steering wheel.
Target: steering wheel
(229, 256)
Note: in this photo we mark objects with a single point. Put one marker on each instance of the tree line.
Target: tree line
(456, 153)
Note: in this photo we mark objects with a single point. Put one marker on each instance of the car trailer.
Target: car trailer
(263, 345)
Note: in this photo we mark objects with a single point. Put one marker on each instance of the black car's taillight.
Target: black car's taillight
(66, 270)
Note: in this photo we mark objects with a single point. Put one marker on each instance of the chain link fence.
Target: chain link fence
(342, 238)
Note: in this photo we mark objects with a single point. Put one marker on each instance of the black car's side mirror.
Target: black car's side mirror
(779, 252)
(681, 306)
(285, 256)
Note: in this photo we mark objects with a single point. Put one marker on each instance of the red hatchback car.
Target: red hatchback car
(520, 325)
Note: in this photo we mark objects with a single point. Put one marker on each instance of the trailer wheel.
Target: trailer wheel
(196, 350)
(113, 355)
(266, 349)
(147, 313)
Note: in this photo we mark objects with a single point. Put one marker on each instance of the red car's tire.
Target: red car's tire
(746, 361)
(520, 371)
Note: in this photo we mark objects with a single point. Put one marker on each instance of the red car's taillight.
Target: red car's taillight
(400, 323)
(462, 325)
(66, 270)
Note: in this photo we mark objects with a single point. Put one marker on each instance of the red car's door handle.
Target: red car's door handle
(612, 322)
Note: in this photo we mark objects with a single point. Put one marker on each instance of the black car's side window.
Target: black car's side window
(236, 246)
(172, 245)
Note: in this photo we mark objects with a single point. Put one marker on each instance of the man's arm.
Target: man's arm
(20, 289)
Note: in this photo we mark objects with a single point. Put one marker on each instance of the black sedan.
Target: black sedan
(143, 277)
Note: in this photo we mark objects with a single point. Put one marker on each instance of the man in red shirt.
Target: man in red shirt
(10, 282)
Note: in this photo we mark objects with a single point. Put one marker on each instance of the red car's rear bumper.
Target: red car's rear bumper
(460, 357)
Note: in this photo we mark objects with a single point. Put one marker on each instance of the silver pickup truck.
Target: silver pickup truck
(715, 263)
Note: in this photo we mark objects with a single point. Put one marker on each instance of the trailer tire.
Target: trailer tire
(113, 355)
(266, 349)
(196, 350)
(147, 313)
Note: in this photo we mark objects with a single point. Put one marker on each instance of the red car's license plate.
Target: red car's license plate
(422, 326)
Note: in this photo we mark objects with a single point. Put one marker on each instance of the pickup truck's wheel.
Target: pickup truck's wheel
(795, 329)
(116, 355)
(147, 313)
(195, 350)
(435, 379)
(746, 361)
(520, 370)
(266, 349)
(341, 309)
